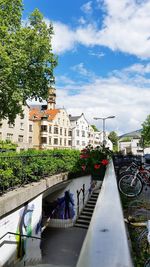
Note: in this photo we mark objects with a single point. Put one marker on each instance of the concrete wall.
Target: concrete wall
(21, 214)
(16, 250)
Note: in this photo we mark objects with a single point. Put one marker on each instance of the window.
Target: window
(30, 139)
(20, 138)
(65, 142)
(55, 141)
(83, 133)
(50, 129)
(22, 116)
(65, 132)
(77, 132)
(1, 124)
(78, 143)
(55, 130)
(9, 136)
(50, 140)
(11, 125)
(43, 128)
(83, 143)
(70, 133)
(30, 128)
(60, 141)
(60, 131)
(21, 126)
(43, 140)
(69, 143)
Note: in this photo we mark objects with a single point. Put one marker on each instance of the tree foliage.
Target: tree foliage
(145, 133)
(26, 58)
(113, 137)
(94, 128)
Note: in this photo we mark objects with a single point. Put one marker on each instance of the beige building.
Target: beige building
(51, 126)
(20, 132)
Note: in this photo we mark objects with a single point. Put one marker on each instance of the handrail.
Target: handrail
(106, 243)
(12, 233)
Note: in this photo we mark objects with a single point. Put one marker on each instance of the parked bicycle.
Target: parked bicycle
(131, 185)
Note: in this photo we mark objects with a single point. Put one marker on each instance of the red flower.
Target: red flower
(104, 161)
(83, 167)
(84, 150)
(84, 156)
(97, 166)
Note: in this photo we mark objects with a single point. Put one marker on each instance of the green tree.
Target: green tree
(113, 137)
(145, 133)
(26, 58)
(94, 127)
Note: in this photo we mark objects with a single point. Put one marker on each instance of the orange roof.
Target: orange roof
(36, 114)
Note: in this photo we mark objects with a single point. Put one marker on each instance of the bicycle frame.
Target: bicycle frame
(134, 177)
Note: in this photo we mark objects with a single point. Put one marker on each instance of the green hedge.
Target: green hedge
(17, 169)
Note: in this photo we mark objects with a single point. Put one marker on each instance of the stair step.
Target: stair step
(94, 196)
(85, 217)
(92, 201)
(90, 204)
(81, 225)
(87, 212)
(89, 208)
(82, 222)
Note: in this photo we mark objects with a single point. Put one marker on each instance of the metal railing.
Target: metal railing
(106, 243)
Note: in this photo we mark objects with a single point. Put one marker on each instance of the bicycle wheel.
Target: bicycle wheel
(147, 263)
(129, 188)
(142, 245)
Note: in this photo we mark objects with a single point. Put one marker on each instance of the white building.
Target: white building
(20, 132)
(80, 131)
(130, 143)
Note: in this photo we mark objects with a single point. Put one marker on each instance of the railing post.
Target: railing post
(83, 191)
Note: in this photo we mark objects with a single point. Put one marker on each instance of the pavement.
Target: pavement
(61, 247)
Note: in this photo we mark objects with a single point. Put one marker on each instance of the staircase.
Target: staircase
(85, 216)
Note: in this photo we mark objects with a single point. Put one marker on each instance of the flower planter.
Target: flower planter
(98, 174)
(94, 161)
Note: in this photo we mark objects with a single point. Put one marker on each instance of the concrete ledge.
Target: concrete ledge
(19, 196)
(106, 243)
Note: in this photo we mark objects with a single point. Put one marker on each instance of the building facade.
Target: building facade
(80, 131)
(51, 126)
(130, 143)
(19, 133)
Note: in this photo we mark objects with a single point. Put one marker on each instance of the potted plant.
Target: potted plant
(95, 160)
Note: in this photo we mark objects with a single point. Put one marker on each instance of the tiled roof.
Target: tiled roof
(36, 114)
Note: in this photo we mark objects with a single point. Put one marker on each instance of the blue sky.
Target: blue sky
(103, 49)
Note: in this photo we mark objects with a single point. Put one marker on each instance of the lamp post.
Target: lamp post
(104, 119)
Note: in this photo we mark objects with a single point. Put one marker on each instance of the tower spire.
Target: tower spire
(51, 98)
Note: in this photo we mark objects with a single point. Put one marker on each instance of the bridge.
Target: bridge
(60, 242)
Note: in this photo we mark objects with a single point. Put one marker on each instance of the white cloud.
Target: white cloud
(64, 38)
(109, 96)
(96, 54)
(87, 7)
(81, 69)
(139, 68)
(125, 27)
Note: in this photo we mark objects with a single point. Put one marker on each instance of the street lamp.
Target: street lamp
(103, 119)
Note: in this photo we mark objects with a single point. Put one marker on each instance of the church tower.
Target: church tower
(51, 98)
